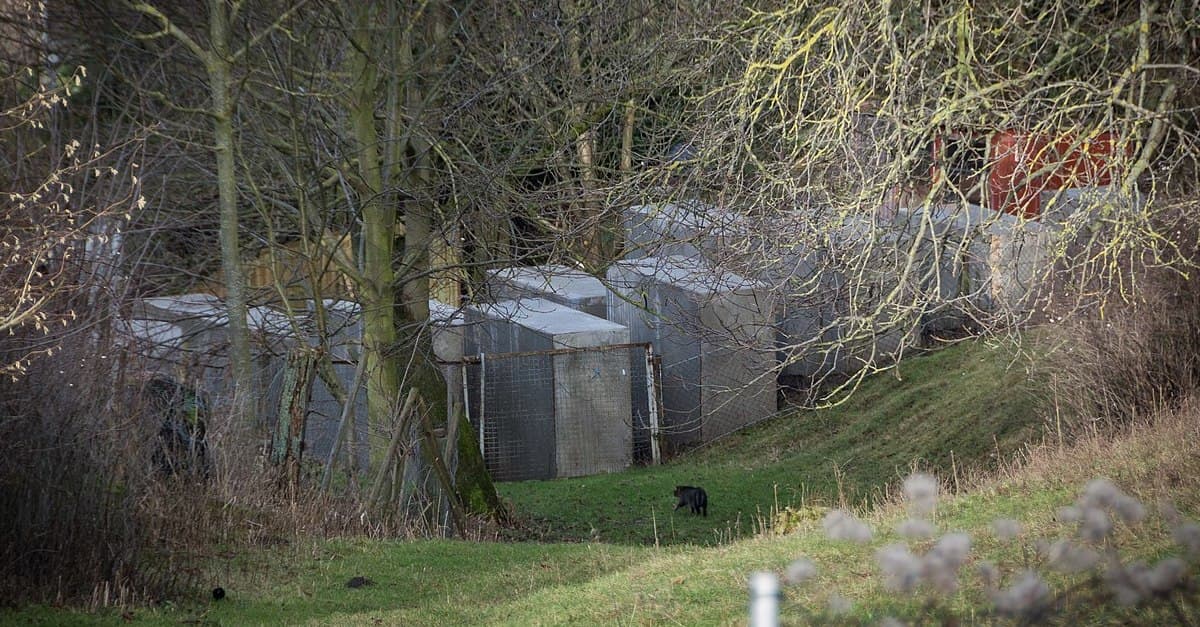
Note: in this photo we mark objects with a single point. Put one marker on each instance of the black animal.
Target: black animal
(694, 498)
(182, 445)
(218, 593)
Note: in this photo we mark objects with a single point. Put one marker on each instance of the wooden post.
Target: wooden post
(348, 418)
(443, 474)
(656, 362)
(398, 431)
(652, 406)
(482, 405)
(293, 410)
(455, 409)
(408, 468)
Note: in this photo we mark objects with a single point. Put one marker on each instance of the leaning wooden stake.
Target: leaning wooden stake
(347, 418)
(450, 452)
(397, 435)
(443, 475)
(652, 406)
(408, 468)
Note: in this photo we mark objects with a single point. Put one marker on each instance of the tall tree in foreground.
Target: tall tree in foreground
(379, 226)
(401, 62)
(218, 53)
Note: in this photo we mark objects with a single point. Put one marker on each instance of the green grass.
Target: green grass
(955, 408)
(621, 577)
(414, 583)
(446, 582)
(421, 579)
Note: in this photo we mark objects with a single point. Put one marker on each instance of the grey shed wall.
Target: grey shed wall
(952, 260)
(772, 252)
(560, 284)
(552, 415)
(1019, 252)
(204, 340)
(714, 332)
(447, 327)
(826, 321)
(276, 338)
(194, 326)
(345, 330)
(780, 252)
(870, 331)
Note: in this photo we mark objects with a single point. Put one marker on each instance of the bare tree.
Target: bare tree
(347, 144)
(568, 103)
(218, 53)
(888, 163)
(65, 195)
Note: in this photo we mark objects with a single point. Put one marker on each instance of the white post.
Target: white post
(466, 390)
(482, 401)
(653, 405)
(764, 599)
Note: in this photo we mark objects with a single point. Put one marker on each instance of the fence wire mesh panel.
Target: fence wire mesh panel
(682, 391)
(716, 336)
(513, 416)
(562, 412)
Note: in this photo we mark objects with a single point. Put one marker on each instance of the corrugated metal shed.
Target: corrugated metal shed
(552, 413)
(567, 286)
(714, 331)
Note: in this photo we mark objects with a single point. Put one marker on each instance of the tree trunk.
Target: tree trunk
(288, 442)
(379, 231)
(411, 100)
(585, 146)
(220, 86)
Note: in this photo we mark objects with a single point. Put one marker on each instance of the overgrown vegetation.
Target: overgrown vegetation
(399, 150)
(1135, 357)
(438, 582)
(68, 510)
(92, 515)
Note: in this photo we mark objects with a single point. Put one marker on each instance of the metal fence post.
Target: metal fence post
(764, 599)
(466, 392)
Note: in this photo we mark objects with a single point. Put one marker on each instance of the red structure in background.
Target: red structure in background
(1016, 167)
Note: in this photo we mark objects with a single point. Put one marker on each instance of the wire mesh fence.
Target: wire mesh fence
(563, 412)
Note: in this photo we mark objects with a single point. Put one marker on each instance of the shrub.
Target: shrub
(1097, 574)
(69, 489)
(1131, 357)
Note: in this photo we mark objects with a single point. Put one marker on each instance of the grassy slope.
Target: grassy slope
(708, 585)
(528, 583)
(963, 400)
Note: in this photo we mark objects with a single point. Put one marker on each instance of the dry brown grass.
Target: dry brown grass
(1154, 457)
(1131, 354)
(87, 517)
